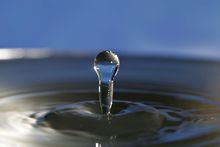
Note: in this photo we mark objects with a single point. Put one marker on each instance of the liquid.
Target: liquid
(106, 65)
(50, 104)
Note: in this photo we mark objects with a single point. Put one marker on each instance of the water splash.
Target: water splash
(106, 65)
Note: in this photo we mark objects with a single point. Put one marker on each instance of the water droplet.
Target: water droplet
(106, 66)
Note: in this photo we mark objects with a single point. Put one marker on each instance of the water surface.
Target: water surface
(157, 102)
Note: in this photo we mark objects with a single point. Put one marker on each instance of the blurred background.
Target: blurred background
(188, 28)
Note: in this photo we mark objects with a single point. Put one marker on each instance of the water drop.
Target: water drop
(106, 66)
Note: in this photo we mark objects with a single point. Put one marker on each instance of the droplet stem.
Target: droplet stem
(106, 96)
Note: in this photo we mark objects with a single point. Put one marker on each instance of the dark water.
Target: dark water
(157, 102)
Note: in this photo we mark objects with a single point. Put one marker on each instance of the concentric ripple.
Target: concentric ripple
(127, 119)
(140, 118)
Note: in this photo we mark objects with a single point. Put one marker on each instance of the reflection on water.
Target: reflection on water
(166, 102)
(7, 54)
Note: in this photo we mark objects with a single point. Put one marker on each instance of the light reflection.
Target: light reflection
(18, 53)
(98, 145)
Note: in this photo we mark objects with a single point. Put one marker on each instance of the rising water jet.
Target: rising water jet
(106, 66)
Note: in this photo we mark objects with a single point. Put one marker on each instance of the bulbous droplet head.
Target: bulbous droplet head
(106, 65)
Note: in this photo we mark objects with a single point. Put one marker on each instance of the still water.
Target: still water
(157, 102)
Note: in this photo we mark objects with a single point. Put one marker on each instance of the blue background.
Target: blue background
(127, 26)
